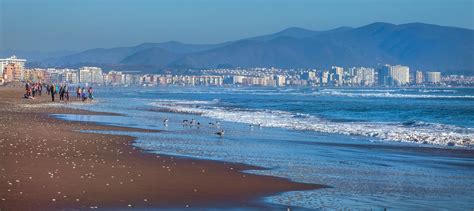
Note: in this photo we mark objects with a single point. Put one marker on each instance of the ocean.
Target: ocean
(405, 148)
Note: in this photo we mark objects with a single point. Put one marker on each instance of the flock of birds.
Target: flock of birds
(192, 122)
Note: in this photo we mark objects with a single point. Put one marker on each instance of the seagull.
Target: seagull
(185, 122)
(220, 133)
(165, 121)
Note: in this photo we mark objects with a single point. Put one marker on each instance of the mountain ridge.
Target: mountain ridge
(418, 45)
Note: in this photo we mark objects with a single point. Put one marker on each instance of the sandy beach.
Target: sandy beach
(45, 164)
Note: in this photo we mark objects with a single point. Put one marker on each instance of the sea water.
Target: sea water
(377, 148)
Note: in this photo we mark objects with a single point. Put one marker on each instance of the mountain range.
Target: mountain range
(418, 45)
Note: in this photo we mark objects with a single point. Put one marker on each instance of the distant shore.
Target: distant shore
(47, 163)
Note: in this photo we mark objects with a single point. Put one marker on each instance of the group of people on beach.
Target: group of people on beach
(34, 89)
(81, 93)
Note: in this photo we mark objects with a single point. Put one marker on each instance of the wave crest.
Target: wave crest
(425, 133)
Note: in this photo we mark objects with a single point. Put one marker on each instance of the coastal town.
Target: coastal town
(13, 69)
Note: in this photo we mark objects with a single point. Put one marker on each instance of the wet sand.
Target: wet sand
(45, 163)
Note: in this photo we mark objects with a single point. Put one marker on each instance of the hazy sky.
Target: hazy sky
(48, 25)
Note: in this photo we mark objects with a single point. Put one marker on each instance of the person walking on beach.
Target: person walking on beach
(66, 91)
(48, 89)
(78, 92)
(40, 89)
(33, 90)
(83, 93)
(61, 93)
(90, 91)
(53, 91)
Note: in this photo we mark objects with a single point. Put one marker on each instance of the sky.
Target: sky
(52, 25)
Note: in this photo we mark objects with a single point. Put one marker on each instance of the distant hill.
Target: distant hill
(114, 56)
(295, 32)
(418, 45)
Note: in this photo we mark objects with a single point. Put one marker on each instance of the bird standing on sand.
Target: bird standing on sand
(220, 133)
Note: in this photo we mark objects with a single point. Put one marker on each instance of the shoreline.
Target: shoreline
(48, 164)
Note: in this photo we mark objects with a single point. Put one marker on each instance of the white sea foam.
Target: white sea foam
(417, 132)
(437, 90)
(388, 95)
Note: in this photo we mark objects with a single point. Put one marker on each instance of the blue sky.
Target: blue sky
(49, 25)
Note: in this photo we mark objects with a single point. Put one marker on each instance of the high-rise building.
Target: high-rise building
(337, 74)
(280, 80)
(433, 77)
(70, 76)
(337, 70)
(363, 76)
(309, 76)
(325, 77)
(418, 77)
(394, 75)
(91, 75)
(33, 75)
(237, 79)
(12, 72)
(19, 63)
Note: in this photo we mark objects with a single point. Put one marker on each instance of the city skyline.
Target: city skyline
(386, 75)
(71, 29)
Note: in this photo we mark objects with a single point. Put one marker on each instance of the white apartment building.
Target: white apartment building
(433, 77)
(363, 76)
(91, 75)
(395, 75)
(12, 60)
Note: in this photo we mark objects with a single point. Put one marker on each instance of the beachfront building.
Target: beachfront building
(19, 63)
(70, 76)
(309, 76)
(397, 75)
(90, 75)
(114, 78)
(433, 77)
(336, 75)
(280, 80)
(34, 75)
(362, 76)
(12, 72)
(237, 79)
(419, 77)
(324, 78)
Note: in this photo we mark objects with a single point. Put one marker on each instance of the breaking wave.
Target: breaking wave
(388, 94)
(411, 131)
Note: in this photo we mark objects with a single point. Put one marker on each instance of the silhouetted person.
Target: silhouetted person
(53, 92)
